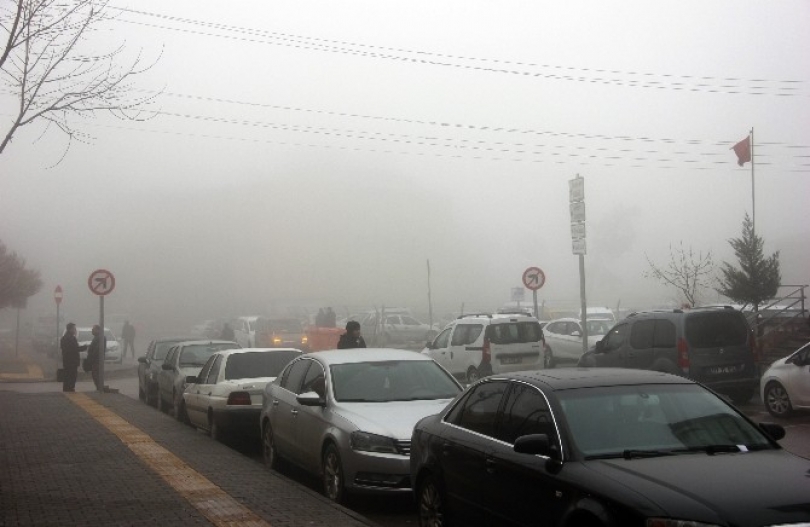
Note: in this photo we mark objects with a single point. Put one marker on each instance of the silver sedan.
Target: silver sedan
(348, 415)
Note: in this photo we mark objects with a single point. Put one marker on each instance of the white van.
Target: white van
(482, 344)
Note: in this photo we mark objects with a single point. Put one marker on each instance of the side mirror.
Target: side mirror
(142, 360)
(773, 430)
(167, 367)
(535, 444)
(191, 379)
(599, 347)
(310, 399)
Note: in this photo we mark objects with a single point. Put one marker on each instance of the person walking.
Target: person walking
(70, 357)
(96, 346)
(227, 333)
(352, 338)
(128, 335)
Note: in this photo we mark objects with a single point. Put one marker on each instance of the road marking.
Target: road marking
(212, 502)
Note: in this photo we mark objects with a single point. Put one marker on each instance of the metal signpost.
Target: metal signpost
(518, 294)
(533, 279)
(576, 200)
(57, 297)
(101, 283)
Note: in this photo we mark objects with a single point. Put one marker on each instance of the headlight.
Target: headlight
(304, 340)
(669, 522)
(365, 442)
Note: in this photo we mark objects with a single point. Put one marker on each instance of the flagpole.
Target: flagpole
(753, 195)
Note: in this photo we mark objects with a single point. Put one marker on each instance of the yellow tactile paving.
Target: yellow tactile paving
(33, 373)
(211, 501)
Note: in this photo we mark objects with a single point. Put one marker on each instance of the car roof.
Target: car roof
(494, 317)
(174, 339)
(356, 355)
(567, 378)
(237, 351)
(198, 342)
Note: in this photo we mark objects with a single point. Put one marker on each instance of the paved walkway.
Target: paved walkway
(105, 459)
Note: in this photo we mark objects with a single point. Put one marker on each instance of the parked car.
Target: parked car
(347, 416)
(149, 367)
(244, 330)
(477, 345)
(227, 394)
(599, 448)
(184, 359)
(207, 329)
(564, 338)
(714, 346)
(401, 328)
(281, 333)
(113, 353)
(785, 385)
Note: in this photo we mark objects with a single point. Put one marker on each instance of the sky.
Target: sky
(315, 153)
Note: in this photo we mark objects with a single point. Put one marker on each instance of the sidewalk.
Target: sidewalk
(105, 459)
(29, 366)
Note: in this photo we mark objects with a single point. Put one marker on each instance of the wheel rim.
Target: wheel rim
(332, 475)
(430, 506)
(778, 400)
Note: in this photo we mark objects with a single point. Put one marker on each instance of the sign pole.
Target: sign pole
(102, 352)
(57, 297)
(534, 298)
(101, 283)
(583, 304)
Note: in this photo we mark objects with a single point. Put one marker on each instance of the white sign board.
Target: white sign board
(518, 294)
(578, 231)
(579, 246)
(577, 211)
(576, 189)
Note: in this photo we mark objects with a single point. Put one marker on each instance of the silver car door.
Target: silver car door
(192, 395)
(311, 421)
(284, 409)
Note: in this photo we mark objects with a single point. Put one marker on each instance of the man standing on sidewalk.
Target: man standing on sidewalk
(128, 335)
(97, 345)
(70, 357)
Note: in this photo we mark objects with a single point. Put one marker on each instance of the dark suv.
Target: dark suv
(714, 346)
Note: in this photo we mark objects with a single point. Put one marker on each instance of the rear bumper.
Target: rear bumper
(246, 419)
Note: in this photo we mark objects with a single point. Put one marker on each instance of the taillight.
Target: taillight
(683, 355)
(239, 398)
(486, 351)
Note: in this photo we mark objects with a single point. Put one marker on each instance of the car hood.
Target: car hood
(394, 419)
(753, 488)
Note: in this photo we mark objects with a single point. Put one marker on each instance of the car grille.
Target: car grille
(403, 447)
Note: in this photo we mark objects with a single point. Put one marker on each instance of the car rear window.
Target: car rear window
(259, 364)
(514, 332)
(712, 330)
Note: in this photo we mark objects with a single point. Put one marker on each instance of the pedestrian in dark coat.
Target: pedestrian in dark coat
(352, 338)
(97, 346)
(128, 336)
(70, 357)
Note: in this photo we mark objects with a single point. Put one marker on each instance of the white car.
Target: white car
(227, 394)
(113, 353)
(785, 385)
(564, 338)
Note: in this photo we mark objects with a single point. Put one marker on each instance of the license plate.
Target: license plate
(721, 370)
(511, 360)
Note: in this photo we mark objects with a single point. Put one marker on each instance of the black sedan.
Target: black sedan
(602, 447)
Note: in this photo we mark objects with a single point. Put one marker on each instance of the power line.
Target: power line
(689, 83)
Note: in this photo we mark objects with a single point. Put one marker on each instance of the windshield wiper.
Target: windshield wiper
(630, 454)
(711, 449)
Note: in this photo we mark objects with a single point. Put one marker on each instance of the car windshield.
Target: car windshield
(623, 421)
(406, 380)
(162, 348)
(197, 354)
(257, 364)
(598, 327)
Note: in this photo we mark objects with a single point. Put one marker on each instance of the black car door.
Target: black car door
(522, 485)
(464, 450)
(612, 350)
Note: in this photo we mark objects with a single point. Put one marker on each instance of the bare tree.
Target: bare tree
(689, 272)
(43, 65)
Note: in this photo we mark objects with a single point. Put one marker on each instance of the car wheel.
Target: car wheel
(161, 404)
(742, 396)
(472, 375)
(548, 358)
(332, 473)
(214, 430)
(180, 413)
(271, 458)
(431, 503)
(777, 400)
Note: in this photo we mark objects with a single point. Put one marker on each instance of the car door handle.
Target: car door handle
(275, 402)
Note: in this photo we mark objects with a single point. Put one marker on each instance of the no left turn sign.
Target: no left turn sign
(101, 282)
(534, 278)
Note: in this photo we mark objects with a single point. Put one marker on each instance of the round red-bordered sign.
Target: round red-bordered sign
(57, 294)
(534, 278)
(101, 282)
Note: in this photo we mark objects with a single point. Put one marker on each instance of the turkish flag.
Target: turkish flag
(743, 151)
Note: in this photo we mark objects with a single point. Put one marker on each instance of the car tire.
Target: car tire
(472, 375)
(777, 401)
(181, 414)
(214, 430)
(332, 475)
(431, 503)
(548, 358)
(269, 453)
(742, 396)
